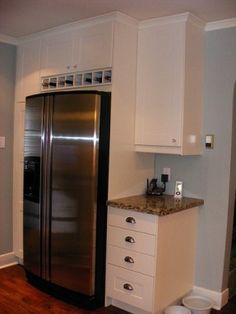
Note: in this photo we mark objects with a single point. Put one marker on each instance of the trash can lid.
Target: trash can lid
(177, 309)
(197, 303)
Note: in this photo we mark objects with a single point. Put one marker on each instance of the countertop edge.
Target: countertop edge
(155, 205)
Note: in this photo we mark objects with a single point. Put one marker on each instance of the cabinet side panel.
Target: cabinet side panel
(28, 65)
(128, 170)
(175, 257)
(18, 149)
(193, 90)
(19, 74)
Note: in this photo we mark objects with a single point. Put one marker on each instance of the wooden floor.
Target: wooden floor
(17, 296)
(229, 308)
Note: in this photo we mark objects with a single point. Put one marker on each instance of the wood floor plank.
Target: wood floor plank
(18, 296)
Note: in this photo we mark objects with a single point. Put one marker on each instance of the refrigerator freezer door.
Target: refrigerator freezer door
(32, 168)
(75, 139)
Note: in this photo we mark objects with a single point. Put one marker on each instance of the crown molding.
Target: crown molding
(8, 39)
(70, 26)
(228, 23)
(124, 18)
(164, 20)
(183, 17)
(108, 17)
(196, 20)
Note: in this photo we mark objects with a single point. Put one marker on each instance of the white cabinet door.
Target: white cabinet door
(130, 287)
(159, 86)
(93, 46)
(57, 51)
(169, 80)
(27, 71)
(87, 48)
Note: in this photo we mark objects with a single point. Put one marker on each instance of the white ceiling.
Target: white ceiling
(24, 17)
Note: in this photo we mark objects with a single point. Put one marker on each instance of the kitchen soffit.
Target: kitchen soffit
(24, 17)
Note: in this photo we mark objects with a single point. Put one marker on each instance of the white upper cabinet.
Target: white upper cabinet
(28, 66)
(86, 47)
(93, 46)
(169, 86)
(57, 52)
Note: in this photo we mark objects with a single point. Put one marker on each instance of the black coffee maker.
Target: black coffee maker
(155, 188)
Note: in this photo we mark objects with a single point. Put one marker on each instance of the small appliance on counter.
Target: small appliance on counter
(153, 188)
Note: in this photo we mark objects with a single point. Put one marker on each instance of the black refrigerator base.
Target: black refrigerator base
(68, 296)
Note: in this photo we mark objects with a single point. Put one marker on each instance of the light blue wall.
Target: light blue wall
(208, 176)
(7, 85)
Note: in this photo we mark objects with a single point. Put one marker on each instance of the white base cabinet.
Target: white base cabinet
(150, 263)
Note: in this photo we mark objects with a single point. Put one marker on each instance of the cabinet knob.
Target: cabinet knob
(129, 259)
(75, 66)
(127, 286)
(173, 140)
(130, 220)
(129, 239)
(68, 67)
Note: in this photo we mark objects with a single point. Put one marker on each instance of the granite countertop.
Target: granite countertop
(156, 205)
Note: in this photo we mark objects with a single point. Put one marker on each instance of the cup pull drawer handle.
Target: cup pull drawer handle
(129, 259)
(127, 286)
(130, 220)
(129, 239)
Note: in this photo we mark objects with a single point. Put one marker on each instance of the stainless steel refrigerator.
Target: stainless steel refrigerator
(66, 154)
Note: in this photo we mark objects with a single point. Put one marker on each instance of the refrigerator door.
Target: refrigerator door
(75, 140)
(32, 168)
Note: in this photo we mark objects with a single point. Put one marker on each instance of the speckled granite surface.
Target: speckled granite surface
(155, 205)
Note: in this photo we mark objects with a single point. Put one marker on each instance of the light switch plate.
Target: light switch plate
(2, 141)
(209, 141)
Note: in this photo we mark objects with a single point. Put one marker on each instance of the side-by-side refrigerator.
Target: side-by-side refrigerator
(66, 155)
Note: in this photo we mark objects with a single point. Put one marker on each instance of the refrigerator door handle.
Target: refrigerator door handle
(46, 188)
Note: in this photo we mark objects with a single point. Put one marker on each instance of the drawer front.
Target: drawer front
(132, 240)
(132, 220)
(134, 261)
(130, 287)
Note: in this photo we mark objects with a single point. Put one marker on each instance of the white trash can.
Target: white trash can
(198, 304)
(177, 309)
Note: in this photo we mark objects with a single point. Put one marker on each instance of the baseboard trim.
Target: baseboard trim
(219, 298)
(128, 308)
(8, 259)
